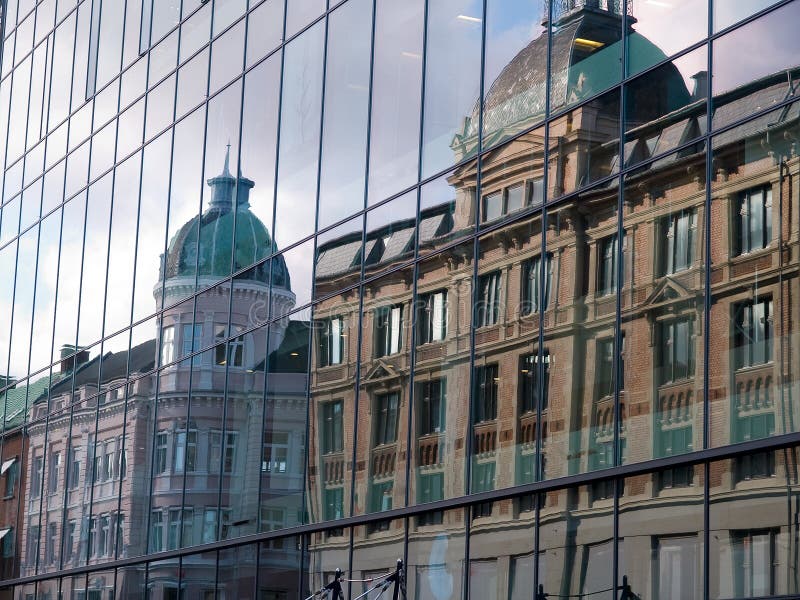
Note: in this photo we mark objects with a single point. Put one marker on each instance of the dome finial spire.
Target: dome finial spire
(226, 171)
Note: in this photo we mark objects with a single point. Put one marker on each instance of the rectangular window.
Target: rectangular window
(608, 250)
(11, 478)
(32, 544)
(161, 453)
(122, 458)
(604, 375)
(97, 463)
(430, 488)
(119, 547)
(209, 525)
(55, 471)
(676, 566)
(386, 413)
(381, 498)
(602, 457)
(529, 387)
(753, 220)
(192, 336)
(92, 541)
(69, 540)
(488, 307)
(535, 291)
(332, 433)
(431, 406)
(157, 531)
(185, 451)
(74, 468)
(108, 461)
(432, 317)
(515, 198)
(676, 349)
(493, 206)
(331, 342)
(214, 451)
(181, 523)
(167, 345)
(483, 481)
(104, 538)
(756, 465)
(388, 328)
(50, 543)
(276, 452)
(229, 353)
(486, 393)
(752, 335)
(334, 503)
(678, 236)
(229, 452)
(672, 442)
(36, 475)
(754, 563)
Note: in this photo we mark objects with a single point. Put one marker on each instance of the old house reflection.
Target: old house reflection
(578, 251)
(557, 385)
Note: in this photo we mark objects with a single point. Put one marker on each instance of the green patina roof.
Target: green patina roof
(209, 251)
(14, 402)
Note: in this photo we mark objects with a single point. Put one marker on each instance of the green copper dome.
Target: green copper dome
(209, 253)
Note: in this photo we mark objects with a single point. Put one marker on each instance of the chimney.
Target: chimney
(72, 357)
(700, 85)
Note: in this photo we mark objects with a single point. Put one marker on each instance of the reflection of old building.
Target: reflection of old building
(207, 424)
(530, 326)
(549, 348)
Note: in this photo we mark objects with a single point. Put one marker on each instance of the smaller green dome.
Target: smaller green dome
(209, 251)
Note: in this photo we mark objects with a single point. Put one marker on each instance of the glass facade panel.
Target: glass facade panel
(750, 556)
(436, 555)
(396, 97)
(662, 558)
(344, 129)
(389, 272)
(751, 397)
(578, 427)
(660, 364)
(576, 556)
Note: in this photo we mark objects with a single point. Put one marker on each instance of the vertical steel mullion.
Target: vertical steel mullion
(412, 320)
(617, 362)
(468, 446)
(311, 338)
(159, 314)
(360, 310)
(231, 289)
(538, 472)
(195, 295)
(69, 446)
(282, 50)
(707, 305)
(359, 321)
(117, 551)
(2, 188)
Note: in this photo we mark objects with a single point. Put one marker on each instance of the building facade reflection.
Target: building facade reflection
(534, 344)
